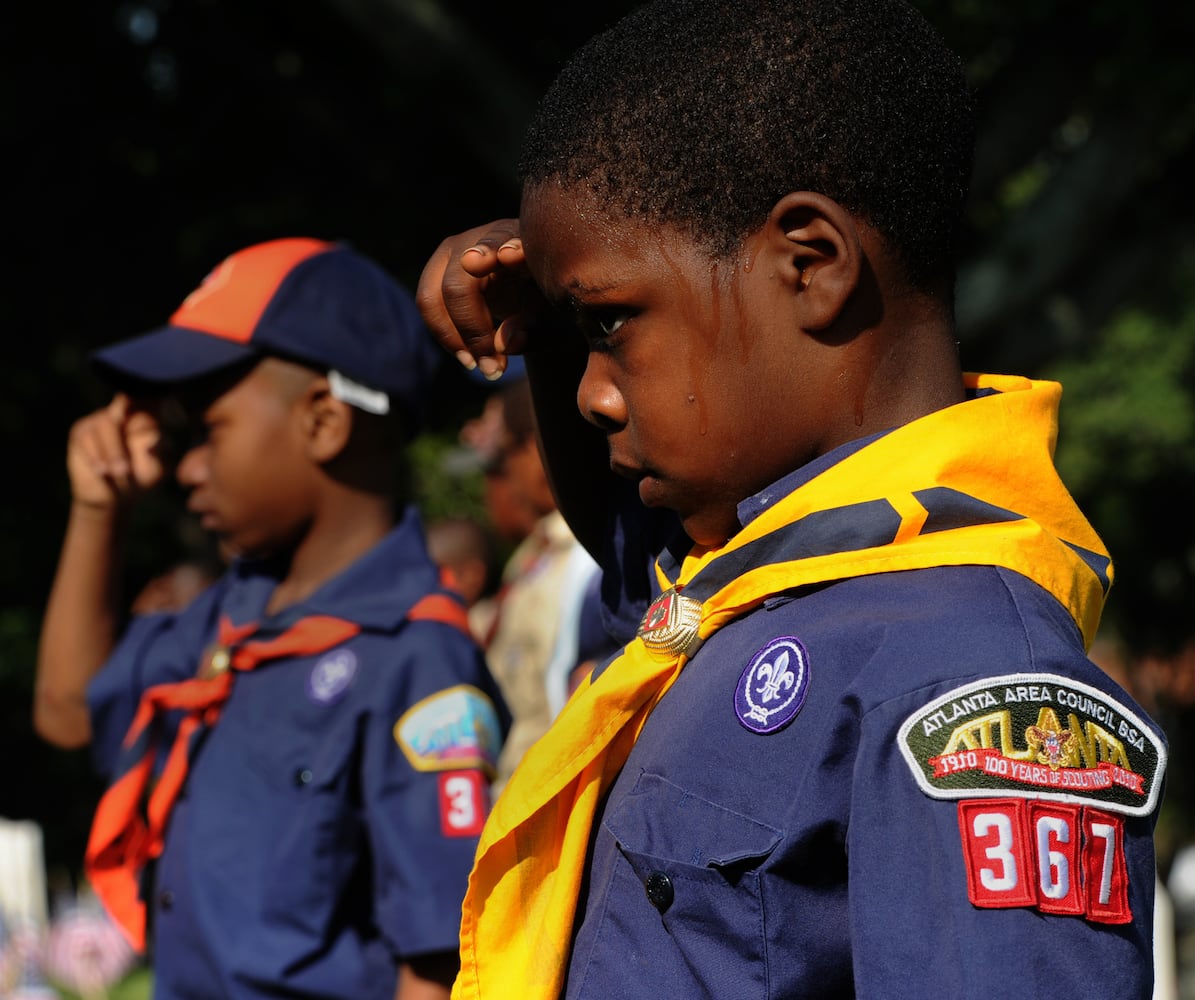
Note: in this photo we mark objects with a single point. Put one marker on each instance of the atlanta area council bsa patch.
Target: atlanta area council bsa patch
(1035, 736)
(452, 730)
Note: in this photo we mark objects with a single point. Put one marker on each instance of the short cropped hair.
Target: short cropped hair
(702, 114)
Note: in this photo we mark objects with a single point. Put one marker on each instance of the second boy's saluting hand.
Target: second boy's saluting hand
(113, 455)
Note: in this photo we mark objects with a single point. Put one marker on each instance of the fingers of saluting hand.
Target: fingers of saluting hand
(143, 442)
(97, 459)
(112, 451)
(473, 283)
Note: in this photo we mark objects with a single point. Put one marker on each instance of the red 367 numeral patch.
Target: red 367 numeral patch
(464, 803)
(1057, 857)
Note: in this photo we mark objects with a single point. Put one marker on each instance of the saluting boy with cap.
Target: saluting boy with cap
(299, 760)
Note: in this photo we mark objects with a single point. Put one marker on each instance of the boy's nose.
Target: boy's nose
(192, 467)
(598, 399)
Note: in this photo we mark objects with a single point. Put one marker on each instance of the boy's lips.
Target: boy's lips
(651, 484)
(625, 469)
(208, 519)
(645, 477)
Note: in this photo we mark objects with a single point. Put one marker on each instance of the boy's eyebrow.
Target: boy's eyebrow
(575, 292)
(577, 285)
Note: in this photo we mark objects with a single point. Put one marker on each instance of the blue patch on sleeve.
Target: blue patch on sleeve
(454, 729)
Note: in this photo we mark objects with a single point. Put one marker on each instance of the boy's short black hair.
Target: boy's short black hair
(704, 113)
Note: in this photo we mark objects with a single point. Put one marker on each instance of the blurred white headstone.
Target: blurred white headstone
(22, 874)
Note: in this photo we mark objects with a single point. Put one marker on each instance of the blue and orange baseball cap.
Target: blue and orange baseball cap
(307, 300)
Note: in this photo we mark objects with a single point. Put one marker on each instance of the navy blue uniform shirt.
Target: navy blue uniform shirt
(807, 861)
(329, 819)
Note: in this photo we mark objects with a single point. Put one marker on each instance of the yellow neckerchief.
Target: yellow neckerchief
(973, 484)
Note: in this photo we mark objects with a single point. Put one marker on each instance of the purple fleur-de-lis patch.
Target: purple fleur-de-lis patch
(331, 677)
(772, 687)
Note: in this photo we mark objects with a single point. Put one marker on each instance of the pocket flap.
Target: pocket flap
(663, 820)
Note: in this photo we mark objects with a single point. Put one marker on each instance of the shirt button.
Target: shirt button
(659, 890)
(303, 777)
(165, 900)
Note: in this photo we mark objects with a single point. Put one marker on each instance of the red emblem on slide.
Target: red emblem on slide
(670, 624)
(657, 614)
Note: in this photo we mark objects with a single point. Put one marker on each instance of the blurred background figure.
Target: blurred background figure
(176, 587)
(467, 552)
(532, 642)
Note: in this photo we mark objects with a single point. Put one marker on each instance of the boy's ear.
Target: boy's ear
(327, 421)
(822, 256)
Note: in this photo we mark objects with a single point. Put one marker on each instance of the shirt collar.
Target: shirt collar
(753, 506)
(749, 509)
(375, 592)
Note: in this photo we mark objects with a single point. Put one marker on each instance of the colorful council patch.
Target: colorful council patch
(454, 729)
(1038, 736)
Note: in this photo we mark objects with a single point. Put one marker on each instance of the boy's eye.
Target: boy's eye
(604, 324)
(197, 433)
(189, 439)
(610, 323)
(180, 434)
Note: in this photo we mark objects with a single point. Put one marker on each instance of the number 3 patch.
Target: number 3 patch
(1057, 857)
(463, 803)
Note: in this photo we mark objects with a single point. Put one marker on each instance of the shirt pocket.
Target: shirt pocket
(311, 804)
(698, 866)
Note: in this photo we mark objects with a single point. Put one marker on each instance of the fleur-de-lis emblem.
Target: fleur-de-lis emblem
(776, 677)
(773, 685)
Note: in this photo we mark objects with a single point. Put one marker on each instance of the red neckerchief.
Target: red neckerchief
(127, 831)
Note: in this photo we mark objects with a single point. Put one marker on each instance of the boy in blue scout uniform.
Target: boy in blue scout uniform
(299, 760)
(854, 747)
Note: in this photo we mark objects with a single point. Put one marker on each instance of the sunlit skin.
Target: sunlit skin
(246, 476)
(712, 378)
(272, 474)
